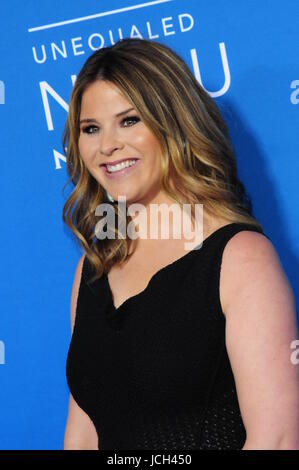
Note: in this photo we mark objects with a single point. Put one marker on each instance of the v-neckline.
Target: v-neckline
(161, 270)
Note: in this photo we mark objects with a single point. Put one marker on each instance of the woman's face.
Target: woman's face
(107, 136)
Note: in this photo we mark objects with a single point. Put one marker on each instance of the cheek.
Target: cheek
(149, 145)
(154, 152)
(85, 149)
(81, 147)
(143, 137)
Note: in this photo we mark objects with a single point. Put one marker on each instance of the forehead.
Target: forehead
(102, 96)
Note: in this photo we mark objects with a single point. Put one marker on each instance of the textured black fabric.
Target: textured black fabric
(155, 373)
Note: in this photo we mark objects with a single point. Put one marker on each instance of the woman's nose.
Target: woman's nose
(109, 142)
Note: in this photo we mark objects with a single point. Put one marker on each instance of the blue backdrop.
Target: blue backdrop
(244, 53)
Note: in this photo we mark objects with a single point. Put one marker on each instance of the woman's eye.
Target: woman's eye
(89, 129)
(93, 129)
(131, 118)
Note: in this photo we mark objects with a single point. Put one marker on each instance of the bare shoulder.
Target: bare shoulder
(75, 290)
(247, 245)
(259, 306)
(250, 261)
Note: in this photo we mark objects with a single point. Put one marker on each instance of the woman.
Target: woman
(166, 353)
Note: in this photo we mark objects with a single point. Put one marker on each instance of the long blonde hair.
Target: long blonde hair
(186, 121)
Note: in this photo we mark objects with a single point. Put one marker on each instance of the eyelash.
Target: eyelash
(86, 130)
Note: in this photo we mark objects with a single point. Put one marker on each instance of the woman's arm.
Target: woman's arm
(261, 323)
(80, 433)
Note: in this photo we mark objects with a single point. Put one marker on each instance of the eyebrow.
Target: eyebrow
(116, 115)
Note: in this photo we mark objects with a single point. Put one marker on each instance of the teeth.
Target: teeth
(120, 166)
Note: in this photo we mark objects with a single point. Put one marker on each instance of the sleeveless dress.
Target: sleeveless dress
(154, 373)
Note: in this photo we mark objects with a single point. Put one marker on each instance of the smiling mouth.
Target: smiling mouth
(121, 167)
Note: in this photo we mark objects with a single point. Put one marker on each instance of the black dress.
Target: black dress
(154, 373)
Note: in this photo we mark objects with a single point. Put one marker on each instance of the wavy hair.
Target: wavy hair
(194, 140)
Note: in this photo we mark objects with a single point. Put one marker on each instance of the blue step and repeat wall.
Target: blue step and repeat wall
(244, 53)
